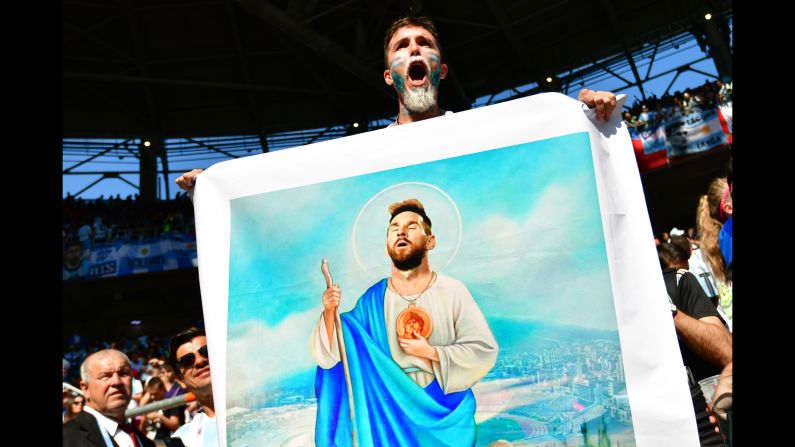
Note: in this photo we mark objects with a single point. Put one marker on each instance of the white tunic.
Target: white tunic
(461, 336)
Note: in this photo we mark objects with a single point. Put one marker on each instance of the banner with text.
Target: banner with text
(682, 135)
(120, 258)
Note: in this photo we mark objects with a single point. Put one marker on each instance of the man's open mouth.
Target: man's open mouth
(402, 243)
(417, 73)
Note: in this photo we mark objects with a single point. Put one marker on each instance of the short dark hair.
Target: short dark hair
(412, 205)
(682, 242)
(672, 255)
(154, 383)
(400, 22)
(179, 340)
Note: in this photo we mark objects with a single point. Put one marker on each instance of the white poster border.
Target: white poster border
(659, 399)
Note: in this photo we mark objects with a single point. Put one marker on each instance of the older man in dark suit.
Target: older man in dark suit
(106, 382)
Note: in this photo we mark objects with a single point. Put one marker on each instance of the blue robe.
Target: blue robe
(391, 409)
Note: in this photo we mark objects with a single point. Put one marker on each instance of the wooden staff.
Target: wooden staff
(341, 345)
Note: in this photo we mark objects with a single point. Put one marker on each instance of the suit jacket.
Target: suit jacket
(83, 431)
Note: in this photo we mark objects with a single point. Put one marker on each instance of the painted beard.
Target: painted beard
(407, 260)
(419, 99)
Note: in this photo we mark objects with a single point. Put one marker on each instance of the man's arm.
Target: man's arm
(707, 337)
(699, 324)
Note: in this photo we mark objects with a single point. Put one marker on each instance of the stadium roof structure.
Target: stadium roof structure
(193, 68)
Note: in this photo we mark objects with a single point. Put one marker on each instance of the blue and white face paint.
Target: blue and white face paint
(415, 69)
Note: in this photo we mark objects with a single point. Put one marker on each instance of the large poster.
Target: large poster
(545, 305)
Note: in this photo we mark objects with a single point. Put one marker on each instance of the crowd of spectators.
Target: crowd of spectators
(152, 378)
(144, 351)
(698, 277)
(109, 220)
(646, 115)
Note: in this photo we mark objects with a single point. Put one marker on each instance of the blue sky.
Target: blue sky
(688, 52)
(529, 251)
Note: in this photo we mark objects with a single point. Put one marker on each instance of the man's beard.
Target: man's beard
(408, 259)
(419, 100)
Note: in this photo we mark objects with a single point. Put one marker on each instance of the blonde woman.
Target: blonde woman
(713, 218)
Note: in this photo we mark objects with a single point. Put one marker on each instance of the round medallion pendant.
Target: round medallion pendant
(413, 319)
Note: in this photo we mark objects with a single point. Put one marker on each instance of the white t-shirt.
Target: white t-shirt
(201, 431)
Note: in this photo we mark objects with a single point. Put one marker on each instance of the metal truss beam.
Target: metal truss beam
(322, 45)
(114, 174)
(315, 138)
(115, 146)
(187, 83)
(614, 74)
(212, 148)
(263, 142)
(619, 33)
(702, 72)
(105, 176)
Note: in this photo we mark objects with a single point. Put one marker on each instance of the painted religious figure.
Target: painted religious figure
(415, 342)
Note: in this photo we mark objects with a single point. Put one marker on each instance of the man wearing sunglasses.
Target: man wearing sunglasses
(188, 353)
(106, 384)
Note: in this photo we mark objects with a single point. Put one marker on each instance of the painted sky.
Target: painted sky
(532, 247)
